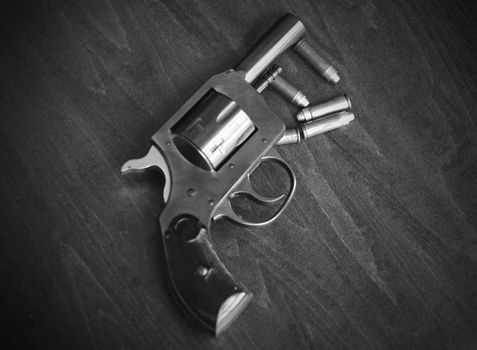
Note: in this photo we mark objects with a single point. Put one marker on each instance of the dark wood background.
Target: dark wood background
(378, 249)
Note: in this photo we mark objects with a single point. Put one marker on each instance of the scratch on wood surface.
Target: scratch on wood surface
(106, 20)
(344, 226)
(73, 56)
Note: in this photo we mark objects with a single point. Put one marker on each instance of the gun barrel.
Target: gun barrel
(286, 33)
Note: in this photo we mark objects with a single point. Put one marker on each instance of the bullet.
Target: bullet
(289, 92)
(326, 124)
(282, 86)
(291, 136)
(326, 70)
(337, 104)
(316, 127)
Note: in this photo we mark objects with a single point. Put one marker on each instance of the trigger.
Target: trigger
(245, 188)
(153, 159)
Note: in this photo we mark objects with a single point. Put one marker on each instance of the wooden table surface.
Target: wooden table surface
(377, 250)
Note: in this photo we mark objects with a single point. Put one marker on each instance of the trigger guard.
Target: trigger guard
(245, 188)
(224, 209)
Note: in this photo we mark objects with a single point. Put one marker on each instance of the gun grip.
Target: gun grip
(200, 280)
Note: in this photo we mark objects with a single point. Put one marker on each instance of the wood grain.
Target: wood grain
(378, 249)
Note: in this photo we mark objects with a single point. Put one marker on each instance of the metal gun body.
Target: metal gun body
(207, 151)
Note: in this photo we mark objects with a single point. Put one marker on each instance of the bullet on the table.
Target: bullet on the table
(336, 104)
(291, 136)
(316, 127)
(325, 69)
(325, 124)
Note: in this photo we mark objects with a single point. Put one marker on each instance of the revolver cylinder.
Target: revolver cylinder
(213, 129)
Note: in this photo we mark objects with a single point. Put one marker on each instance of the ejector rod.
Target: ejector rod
(282, 86)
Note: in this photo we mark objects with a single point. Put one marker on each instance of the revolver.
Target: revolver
(206, 152)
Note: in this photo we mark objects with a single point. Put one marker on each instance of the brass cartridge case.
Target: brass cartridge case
(316, 127)
(337, 104)
(326, 70)
(289, 92)
(325, 124)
